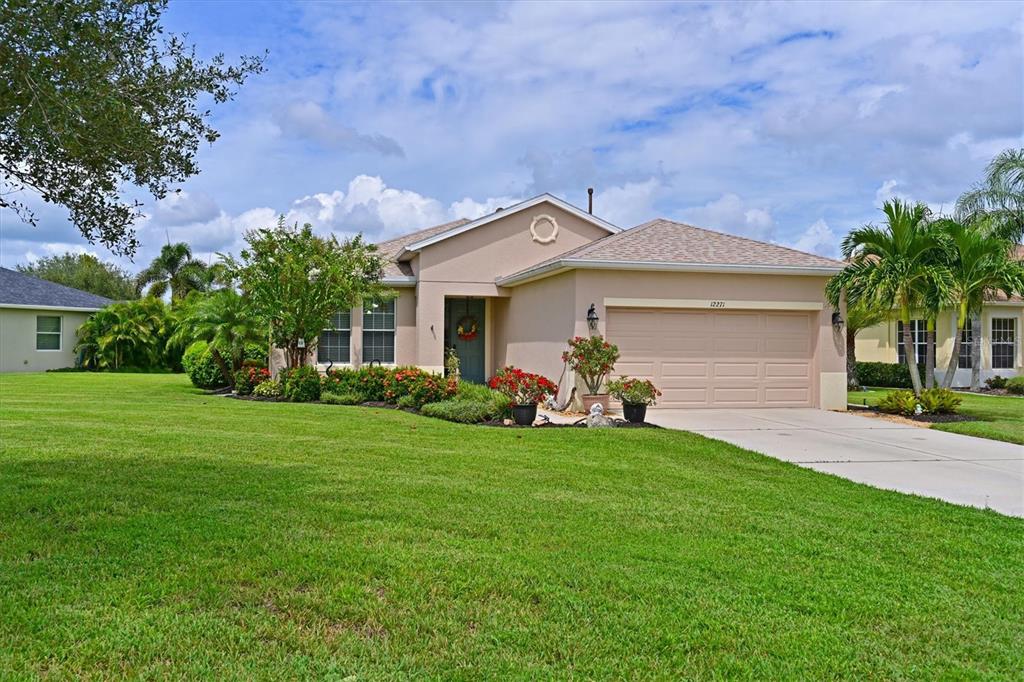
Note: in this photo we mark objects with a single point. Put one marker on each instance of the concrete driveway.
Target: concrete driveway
(960, 469)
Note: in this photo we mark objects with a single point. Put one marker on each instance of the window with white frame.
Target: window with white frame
(919, 337)
(966, 341)
(1004, 342)
(379, 332)
(336, 341)
(48, 329)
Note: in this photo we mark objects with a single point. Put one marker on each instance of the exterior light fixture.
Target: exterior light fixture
(837, 321)
(592, 319)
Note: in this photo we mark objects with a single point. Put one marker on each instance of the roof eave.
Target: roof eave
(521, 206)
(663, 266)
(68, 308)
(399, 281)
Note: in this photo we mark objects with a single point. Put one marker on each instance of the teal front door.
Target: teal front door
(466, 313)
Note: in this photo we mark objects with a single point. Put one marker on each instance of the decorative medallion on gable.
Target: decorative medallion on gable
(544, 229)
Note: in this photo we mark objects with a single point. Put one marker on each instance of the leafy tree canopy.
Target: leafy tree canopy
(94, 95)
(175, 270)
(294, 281)
(86, 272)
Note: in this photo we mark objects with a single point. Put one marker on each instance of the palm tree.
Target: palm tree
(222, 319)
(859, 316)
(999, 199)
(980, 267)
(892, 266)
(174, 269)
(123, 334)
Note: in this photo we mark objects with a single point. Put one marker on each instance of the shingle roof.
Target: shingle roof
(391, 248)
(666, 241)
(17, 288)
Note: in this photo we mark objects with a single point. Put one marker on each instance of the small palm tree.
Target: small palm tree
(222, 319)
(997, 203)
(859, 316)
(980, 267)
(176, 270)
(892, 266)
(129, 333)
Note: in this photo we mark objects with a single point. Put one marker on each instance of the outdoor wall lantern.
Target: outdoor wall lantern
(592, 319)
(837, 321)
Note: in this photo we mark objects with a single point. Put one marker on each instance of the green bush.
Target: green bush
(939, 401)
(406, 401)
(301, 384)
(248, 378)
(885, 374)
(200, 366)
(341, 398)
(899, 402)
(482, 393)
(271, 388)
(996, 382)
(391, 384)
(254, 355)
(1015, 385)
(462, 411)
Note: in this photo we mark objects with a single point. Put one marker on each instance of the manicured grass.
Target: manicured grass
(1002, 417)
(149, 530)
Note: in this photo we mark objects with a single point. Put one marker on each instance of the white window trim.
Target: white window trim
(1012, 343)
(394, 337)
(60, 336)
(348, 329)
(914, 332)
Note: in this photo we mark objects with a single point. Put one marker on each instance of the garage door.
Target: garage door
(704, 358)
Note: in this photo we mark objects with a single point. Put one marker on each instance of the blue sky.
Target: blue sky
(788, 123)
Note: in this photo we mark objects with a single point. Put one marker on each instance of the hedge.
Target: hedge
(886, 374)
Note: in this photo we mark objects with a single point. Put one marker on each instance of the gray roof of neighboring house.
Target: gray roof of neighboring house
(19, 289)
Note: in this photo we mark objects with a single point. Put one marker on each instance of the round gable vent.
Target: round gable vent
(544, 229)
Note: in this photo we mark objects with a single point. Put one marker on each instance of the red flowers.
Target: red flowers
(591, 358)
(522, 388)
(634, 391)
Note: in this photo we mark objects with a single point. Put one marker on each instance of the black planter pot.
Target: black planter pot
(524, 415)
(634, 412)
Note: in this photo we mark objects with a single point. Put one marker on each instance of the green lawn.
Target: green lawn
(1002, 417)
(149, 530)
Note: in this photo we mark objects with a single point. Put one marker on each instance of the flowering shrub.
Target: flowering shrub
(301, 384)
(591, 358)
(268, 389)
(248, 378)
(522, 388)
(633, 391)
(390, 385)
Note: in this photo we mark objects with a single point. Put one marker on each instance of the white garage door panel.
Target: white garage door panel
(718, 358)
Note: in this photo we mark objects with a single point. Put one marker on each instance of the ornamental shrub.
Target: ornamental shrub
(341, 380)
(301, 384)
(254, 355)
(885, 374)
(200, 367)
(939, 401)
(1015, 385)
(899, 402)
(463, 411)
(248, 378)
(633, 391)
(996, 382)
(591, 358)
(370, 382)
(341, 398)
(270, 388)
(522, 388)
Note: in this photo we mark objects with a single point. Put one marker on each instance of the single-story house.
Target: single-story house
(1002, 353)
(39, 322)
(715, 320)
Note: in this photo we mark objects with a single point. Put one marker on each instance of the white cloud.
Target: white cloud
(818, 238)
(309, 120)
(182, 208)
(729, 213)
(629, 204)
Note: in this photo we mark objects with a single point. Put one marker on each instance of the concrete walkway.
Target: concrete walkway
(960, 469)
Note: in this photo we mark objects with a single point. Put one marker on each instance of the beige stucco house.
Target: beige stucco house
(713, 319)
(39, 321)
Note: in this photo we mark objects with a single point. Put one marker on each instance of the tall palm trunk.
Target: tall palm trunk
(954, 359)
(908, 349)
(929, 354)
(852, 383)
(975, 351)
(224, 369)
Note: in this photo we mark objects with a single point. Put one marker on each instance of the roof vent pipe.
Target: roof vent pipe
(590, 200)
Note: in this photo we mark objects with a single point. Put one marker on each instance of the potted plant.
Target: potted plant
(591, 359)
(635, 395)
(524, 390)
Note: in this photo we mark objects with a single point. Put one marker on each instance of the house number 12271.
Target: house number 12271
(717, 304)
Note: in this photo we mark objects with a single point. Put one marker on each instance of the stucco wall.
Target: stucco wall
(18, 340)
(879, 343)
(544, 319)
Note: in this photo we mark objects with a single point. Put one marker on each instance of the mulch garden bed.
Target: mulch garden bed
(921, 418)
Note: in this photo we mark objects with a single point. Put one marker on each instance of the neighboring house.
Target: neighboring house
(39, 322)
(714, 320)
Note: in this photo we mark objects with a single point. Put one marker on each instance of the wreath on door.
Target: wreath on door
(466, 329)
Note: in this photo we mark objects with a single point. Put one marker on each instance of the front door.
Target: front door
(464, 331)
